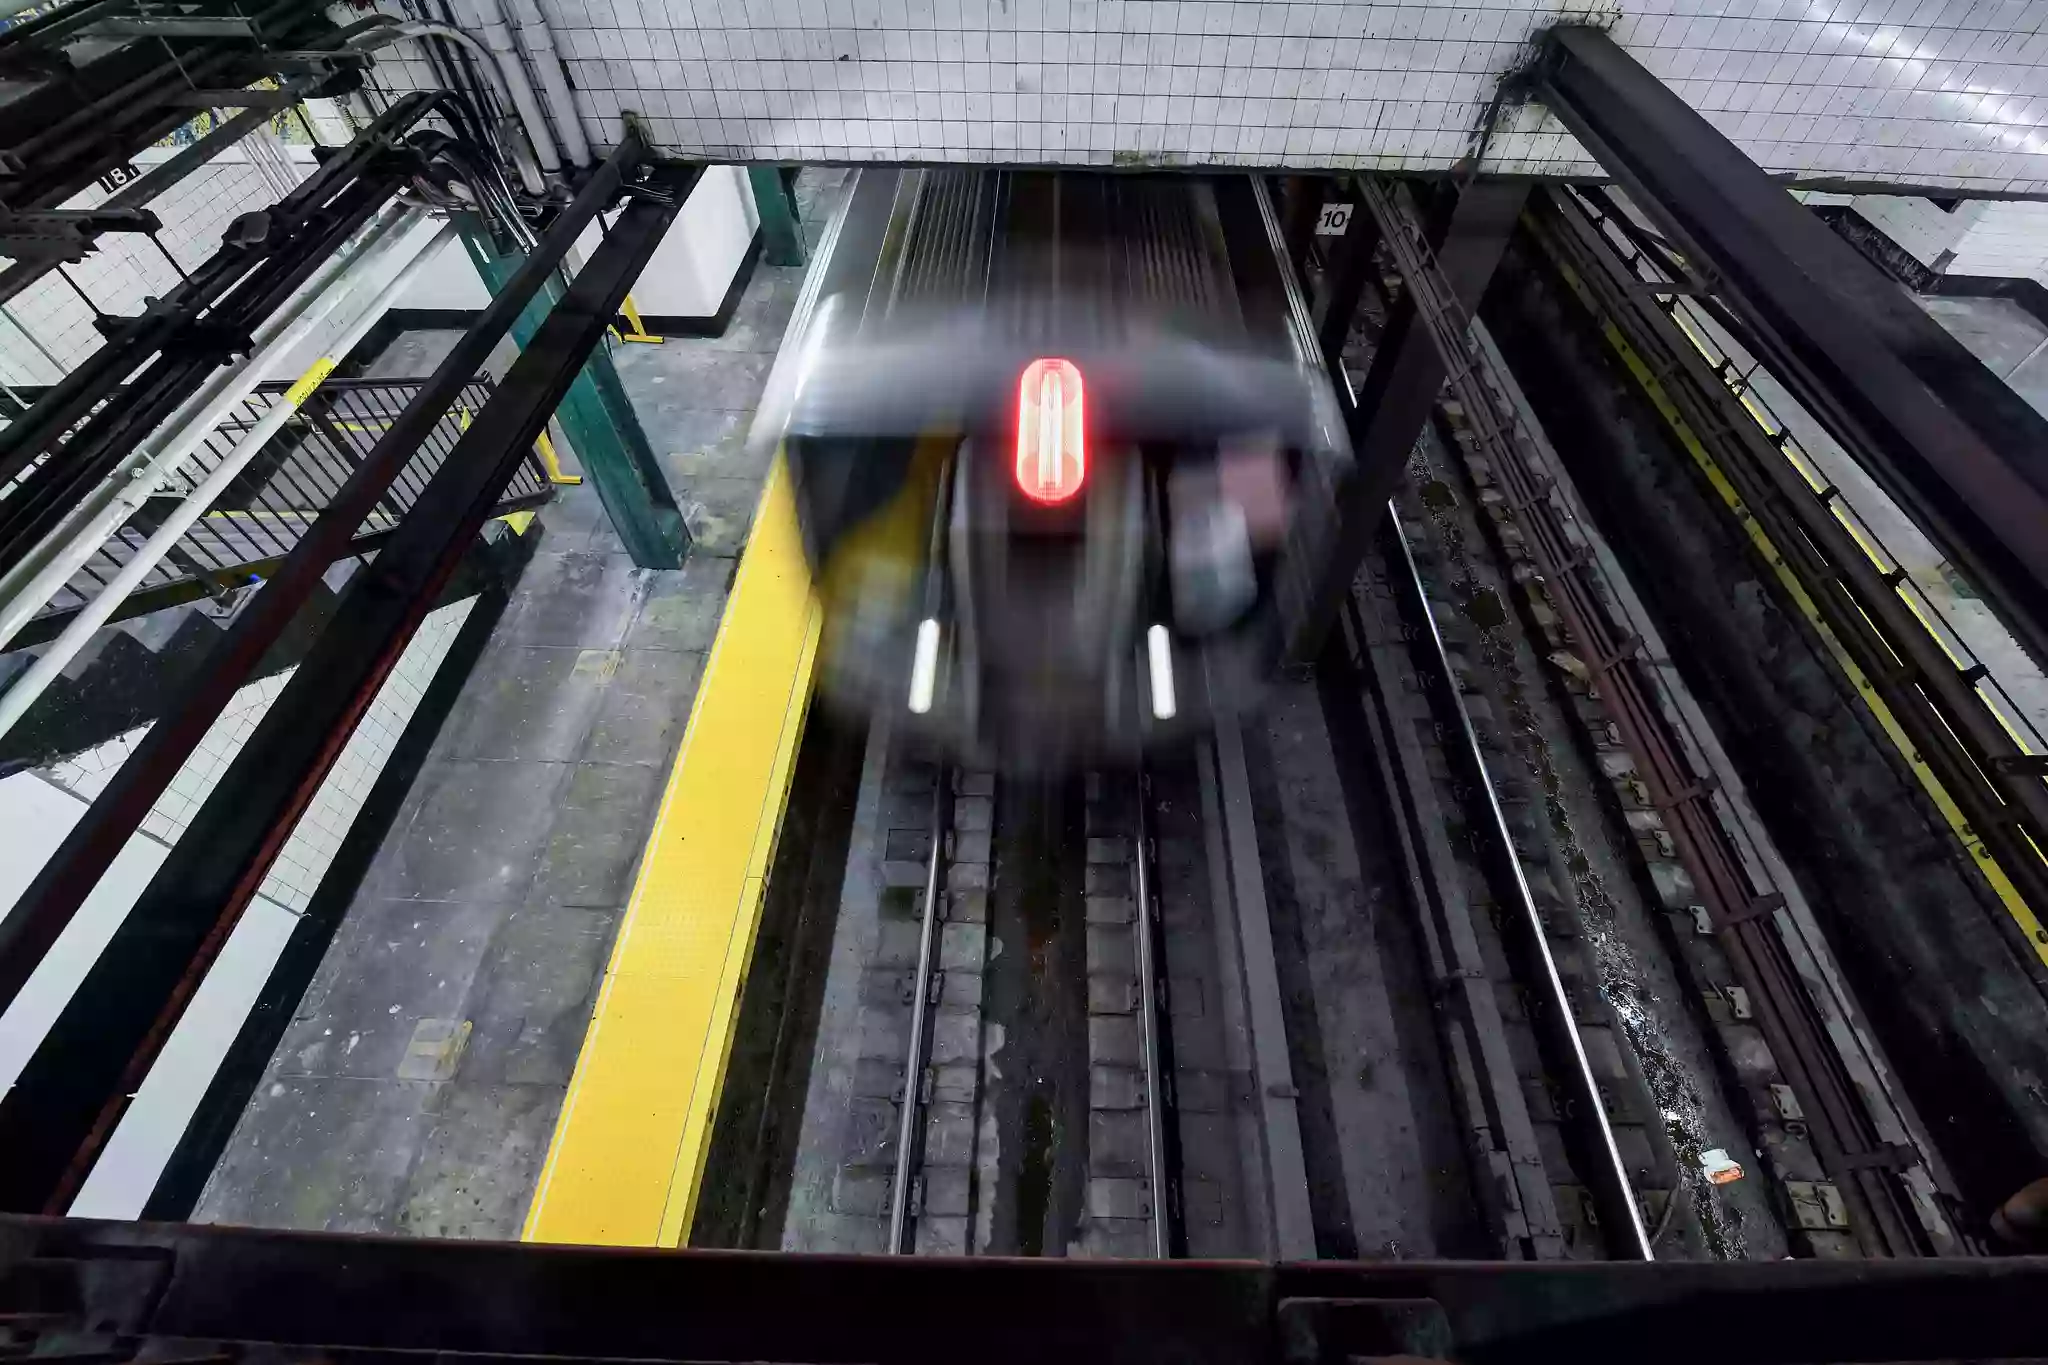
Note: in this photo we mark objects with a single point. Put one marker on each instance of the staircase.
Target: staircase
(161, 636)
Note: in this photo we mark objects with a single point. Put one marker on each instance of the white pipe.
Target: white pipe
(43, 573)
(30, 337)
(268, 341)
(15, 702)
(487, 17)
(539, 41)
(266, 153)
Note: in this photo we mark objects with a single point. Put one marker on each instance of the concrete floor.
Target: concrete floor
(417, 1088)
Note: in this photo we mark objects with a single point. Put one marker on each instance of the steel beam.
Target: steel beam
(1945, 437)
(1301, 199)
(102, 1015)
(1387, 413)
(191, 330)
(1357, 258)
(603, 430)
(75, 1088)
(176, 1291)
(491, 575)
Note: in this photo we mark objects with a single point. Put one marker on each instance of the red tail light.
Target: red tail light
(1052, 453)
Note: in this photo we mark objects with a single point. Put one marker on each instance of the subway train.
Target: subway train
(1063, 456)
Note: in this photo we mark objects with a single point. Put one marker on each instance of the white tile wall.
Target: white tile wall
(317, 838)
(87, 774)
(1929, 92)
(2009, 238)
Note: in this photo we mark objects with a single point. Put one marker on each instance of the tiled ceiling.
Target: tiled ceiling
(1921, 92)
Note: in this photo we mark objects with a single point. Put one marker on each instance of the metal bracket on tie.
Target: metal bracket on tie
(1698, 790)
(1628, 647)
(1444, 984)
(1577, 558)
(1890, 1156)
(1761, 906)
(1545, 485)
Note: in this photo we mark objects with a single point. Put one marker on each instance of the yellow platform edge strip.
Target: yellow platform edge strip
(629, 1146)
(1980, 855)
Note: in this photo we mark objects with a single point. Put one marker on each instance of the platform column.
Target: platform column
(601, 425)
(782, 234)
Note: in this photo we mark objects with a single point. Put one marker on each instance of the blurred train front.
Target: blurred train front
(1063, 458)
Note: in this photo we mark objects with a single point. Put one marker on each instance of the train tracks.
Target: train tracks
(942, 1189)
(1133, 1204)
(1081, 1028)
(1546, 1126)
(1603, 1118)
(1755, 1061)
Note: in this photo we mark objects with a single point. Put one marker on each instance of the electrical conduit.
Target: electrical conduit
(539, 41)
(487, 17)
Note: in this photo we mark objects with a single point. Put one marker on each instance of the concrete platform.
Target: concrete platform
(418, 1087)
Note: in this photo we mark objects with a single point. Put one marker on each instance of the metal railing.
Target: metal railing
(268, 507)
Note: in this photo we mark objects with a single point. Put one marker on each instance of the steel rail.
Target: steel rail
(1609, 1179)
(1514, 1190)
(1438, 308)
(1162, 1136)
(916, 1091)
(1844, 1135)
(905, 1186)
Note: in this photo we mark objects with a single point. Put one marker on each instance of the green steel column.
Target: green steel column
(602, 428)
(782, 235)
